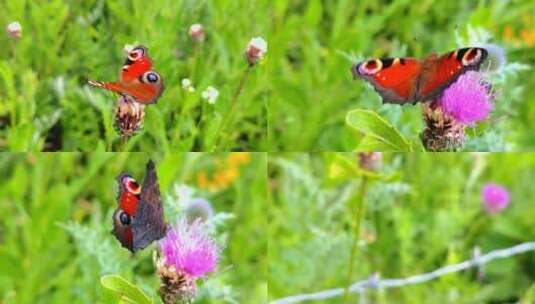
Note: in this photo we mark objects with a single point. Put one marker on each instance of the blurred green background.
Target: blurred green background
(56, 217)
(46, 105)
(315, 42)
(423, 211)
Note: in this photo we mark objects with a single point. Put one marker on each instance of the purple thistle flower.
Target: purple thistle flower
(495, 198)
(190, 249)
(468, 100)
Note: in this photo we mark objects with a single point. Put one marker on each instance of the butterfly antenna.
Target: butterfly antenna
(94, 83)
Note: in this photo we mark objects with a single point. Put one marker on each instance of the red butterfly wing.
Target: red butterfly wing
(123, 217)
(145, 89)
(439, 73)
(136, 64)
(135, 69)
(394, 79)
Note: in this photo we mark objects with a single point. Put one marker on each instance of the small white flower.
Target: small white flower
(210, 94)
(187, 85)
(196, 31)
(256, 49)
(14, 30)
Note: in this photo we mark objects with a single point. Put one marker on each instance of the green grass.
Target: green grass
(423, 211)
(46, 105)
(56, 218)
(314, 44)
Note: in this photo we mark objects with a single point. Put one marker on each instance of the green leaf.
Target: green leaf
(128, 292)
(379, 135)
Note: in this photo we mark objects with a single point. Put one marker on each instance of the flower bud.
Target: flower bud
(14, 30)
(256, 49)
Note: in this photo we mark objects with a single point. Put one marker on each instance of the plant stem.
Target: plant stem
(234, 102)
(357, 220)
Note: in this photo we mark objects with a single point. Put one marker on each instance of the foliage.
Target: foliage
(423, 211)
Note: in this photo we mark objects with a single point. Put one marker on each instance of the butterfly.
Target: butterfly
(138, 221)
(136, 78)
(409, 80)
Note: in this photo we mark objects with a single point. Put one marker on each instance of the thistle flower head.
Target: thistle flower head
(190, 249)
(442, 131)
(186, 254)
(14, 30)
(129, 115)
(495, 198)
(256, 49)
(371, 161)
(196, 32)
(468, 100)
(198, 209)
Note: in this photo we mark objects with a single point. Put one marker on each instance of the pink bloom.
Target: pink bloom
(495, 198)
(468, 100)
(189, 249)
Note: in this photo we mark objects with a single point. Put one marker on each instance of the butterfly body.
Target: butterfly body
(138, 221)
(136, 78)
(409, 80)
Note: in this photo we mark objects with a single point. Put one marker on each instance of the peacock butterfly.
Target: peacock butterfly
(138, 221)
(409, 80)
(136, 78)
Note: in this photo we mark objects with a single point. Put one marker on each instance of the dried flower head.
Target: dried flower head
(210, 94)
(371, 161)
(196, 32)
(14, 30)
(129, 115)
(256, 49)
(495, 198)
(198, 209)
(468, 100)
(187, 254)
(442, 132)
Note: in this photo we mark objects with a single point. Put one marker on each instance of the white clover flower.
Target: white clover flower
(14, 30)
(210, 94)
(187, 85)
(196, 32)
(256, 49)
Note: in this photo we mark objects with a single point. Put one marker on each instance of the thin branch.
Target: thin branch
(375, 283)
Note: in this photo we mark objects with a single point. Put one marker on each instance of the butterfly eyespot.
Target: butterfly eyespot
(471, 57)
(150, 77)
(133, 187)
(130, 184)
(125, 218)
(370, 67)
(136, 54)
(122, 218)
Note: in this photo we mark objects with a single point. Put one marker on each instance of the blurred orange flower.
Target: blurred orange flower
(228, 171)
